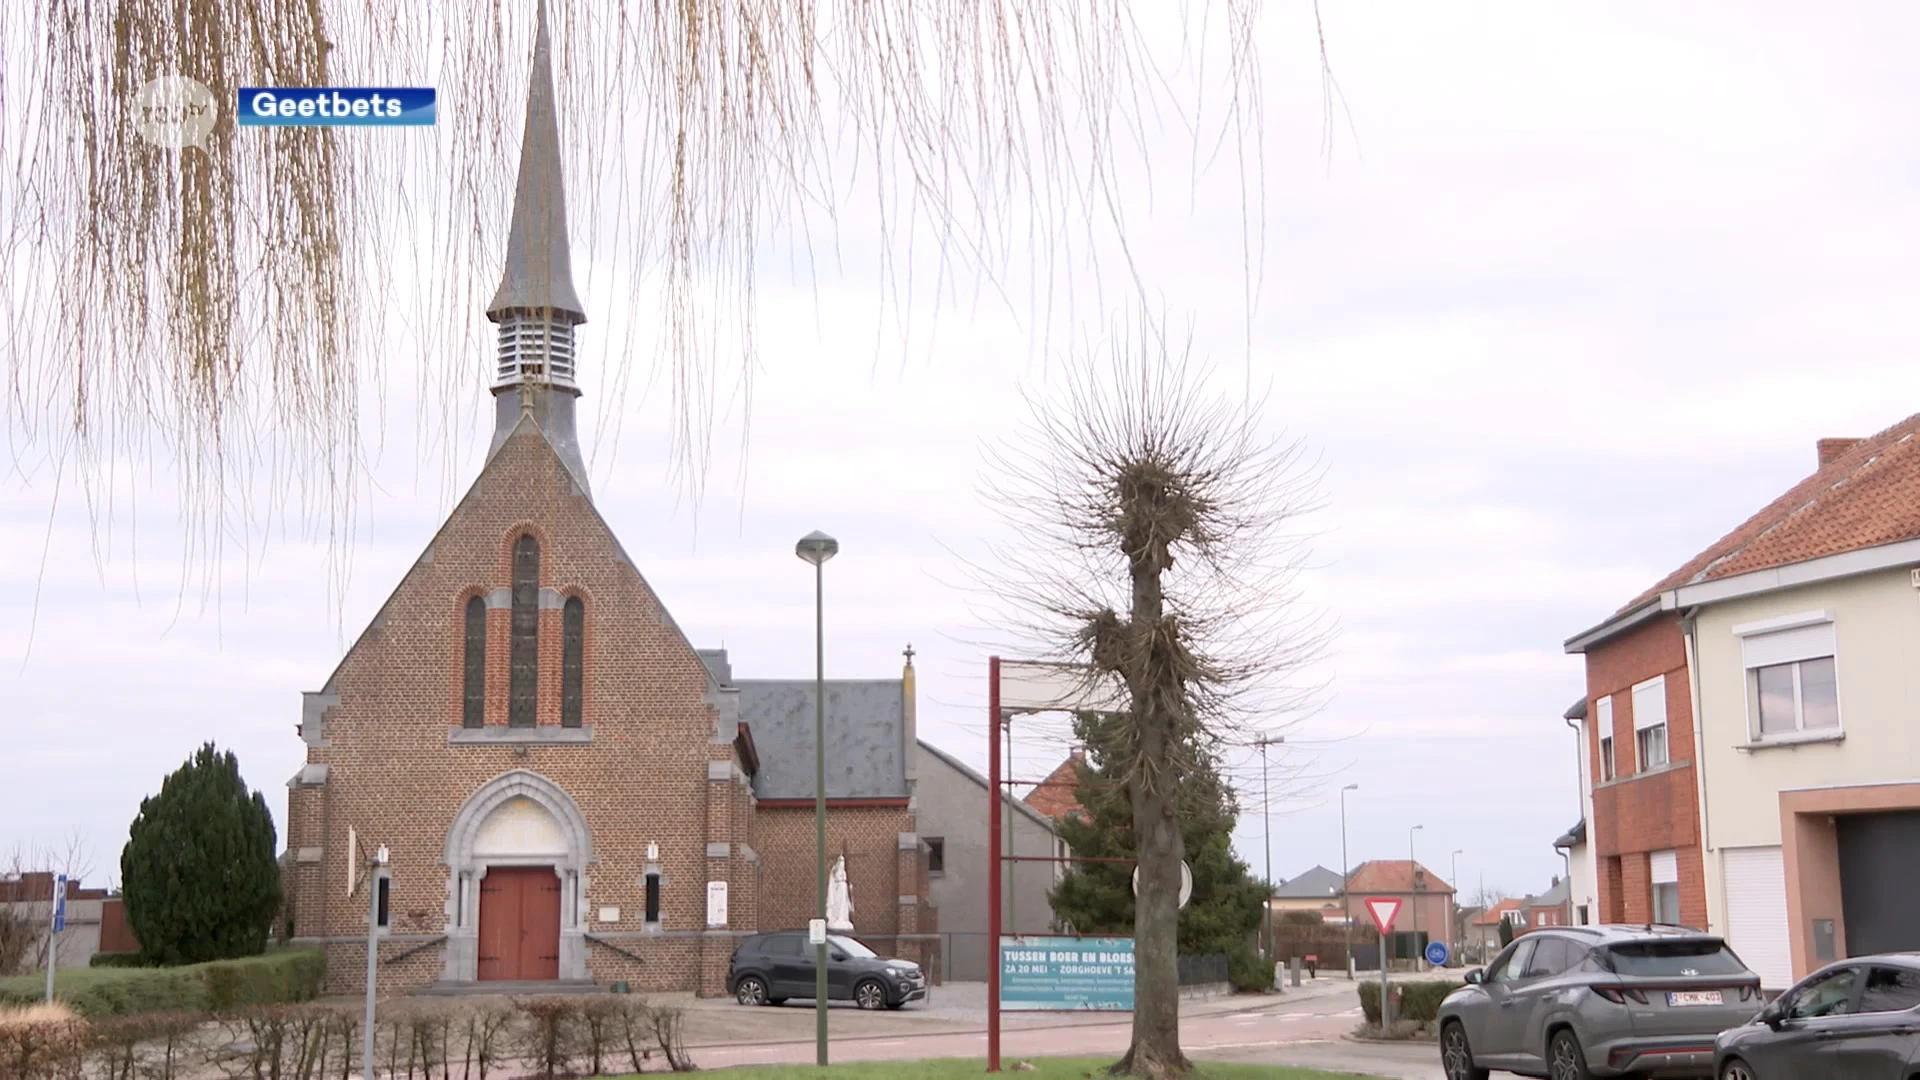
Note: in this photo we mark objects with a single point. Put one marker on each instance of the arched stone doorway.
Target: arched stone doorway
(516, 857)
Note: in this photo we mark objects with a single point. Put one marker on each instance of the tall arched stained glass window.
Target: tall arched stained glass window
(473, 677)
(523, 654)
(573, 624)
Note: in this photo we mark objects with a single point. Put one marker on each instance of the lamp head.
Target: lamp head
(1351, 787)
(380, 857)
(817, 547)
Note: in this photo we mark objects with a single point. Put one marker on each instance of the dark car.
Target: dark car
(770, 968)
(1570, 1002)
(1858, 1019)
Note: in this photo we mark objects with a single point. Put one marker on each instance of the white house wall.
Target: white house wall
(1876, 623)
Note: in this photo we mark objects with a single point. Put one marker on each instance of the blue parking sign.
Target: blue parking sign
(60, 903)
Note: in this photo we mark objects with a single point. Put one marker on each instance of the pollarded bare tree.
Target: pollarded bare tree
(225, 305)
(1160, 551)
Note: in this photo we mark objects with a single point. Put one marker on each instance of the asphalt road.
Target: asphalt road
(1310, 1032)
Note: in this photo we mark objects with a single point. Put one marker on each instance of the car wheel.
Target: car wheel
(1735, 1069)
(870, 994)
(1565, 1059)
(1456, 1057)
(750, 991)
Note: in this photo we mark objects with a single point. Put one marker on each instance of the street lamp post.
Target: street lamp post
(817, 547)
(1266, 828)
(1454, 932)
(1413, 880)
(1346, 897)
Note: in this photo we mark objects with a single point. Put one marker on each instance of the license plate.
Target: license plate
(1679, 998)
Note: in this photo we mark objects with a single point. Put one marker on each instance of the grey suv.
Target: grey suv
(1570, 1002)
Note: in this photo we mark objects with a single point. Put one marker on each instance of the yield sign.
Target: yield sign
(1383, 909)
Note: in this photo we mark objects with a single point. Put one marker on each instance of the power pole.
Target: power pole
(1266, 828)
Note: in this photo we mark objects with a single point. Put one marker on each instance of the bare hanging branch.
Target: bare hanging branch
(227, 309)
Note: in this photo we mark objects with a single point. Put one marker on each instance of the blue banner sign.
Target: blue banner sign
(60, 903)
(327, 106)
(1061, 974)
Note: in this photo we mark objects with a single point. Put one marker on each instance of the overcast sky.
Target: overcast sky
(1574, 294)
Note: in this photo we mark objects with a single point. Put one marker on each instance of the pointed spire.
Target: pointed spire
(539, 271)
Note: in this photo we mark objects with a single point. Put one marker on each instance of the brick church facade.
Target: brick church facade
(569, 791)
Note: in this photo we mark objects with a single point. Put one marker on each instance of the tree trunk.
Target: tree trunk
(1157, 692)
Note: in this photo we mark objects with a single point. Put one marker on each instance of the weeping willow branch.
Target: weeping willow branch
(227, 309)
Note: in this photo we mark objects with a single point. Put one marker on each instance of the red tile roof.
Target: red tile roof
(1053, 797)
(1862, 496)
(1392, 876)
(1492, 916)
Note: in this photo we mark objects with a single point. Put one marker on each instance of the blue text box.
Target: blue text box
(1066, 973)
(335, 106)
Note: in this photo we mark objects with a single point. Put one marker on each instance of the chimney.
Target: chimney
(1556, 881)
(1828, 449)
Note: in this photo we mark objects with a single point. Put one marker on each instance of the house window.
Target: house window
(1580, 915)
(383, 916)
(473, 676)
(524, 651)
(1650, 723)
(1603, 723)
(653, 898)
(936, 855)
(1663, 870)
(573, 622)
(1792, 685)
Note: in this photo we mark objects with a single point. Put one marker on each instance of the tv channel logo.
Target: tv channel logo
(174, 112)
(326, 106)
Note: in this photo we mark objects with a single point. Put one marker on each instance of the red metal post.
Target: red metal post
(993, 864)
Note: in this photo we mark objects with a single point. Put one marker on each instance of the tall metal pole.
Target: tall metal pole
(1346, 897)
(53, 930)
(1454, 931)
(994, 855)
(1266, 828)
(1413, 883)
(820, 807)
(373, 960)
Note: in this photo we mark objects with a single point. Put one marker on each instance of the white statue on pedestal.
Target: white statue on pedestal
(839, 898)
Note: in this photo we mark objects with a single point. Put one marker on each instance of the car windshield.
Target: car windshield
(1667, 958)
(852, 948)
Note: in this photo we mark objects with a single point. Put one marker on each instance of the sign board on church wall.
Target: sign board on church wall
(716, 904)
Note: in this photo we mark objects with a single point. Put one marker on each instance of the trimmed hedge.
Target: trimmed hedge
(1419, 1001)
(218, 986)
(118, 960)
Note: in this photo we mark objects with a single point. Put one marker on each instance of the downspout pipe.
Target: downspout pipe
(1566, 854)
(1687, 627)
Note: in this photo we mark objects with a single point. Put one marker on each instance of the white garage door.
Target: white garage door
(1757, 913)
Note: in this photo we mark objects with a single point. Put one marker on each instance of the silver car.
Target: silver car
(1858, 1019)
(1570, 1002)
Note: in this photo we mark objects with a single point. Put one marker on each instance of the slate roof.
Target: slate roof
(954, 763)
(1393, 876)
(1315, 884)
(1573, 837)
(1053, 797)
(1865, 495)
(1552, 898)
(866, 733)
(539, 270)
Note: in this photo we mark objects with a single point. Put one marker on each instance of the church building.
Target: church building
(568, 790)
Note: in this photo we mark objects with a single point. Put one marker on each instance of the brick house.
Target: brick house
(1053, 797)
(1794, 634)
(1426, 903)
(570, 791)
(1644, 829)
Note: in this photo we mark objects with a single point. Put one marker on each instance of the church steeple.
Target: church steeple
(535, 306)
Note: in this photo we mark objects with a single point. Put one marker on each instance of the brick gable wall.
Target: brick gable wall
(1636, 814)
(661, 765)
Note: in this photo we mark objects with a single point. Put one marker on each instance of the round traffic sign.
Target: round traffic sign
(1437, 953)
(1186, 882)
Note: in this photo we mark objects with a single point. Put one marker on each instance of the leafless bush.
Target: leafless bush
(20, 934)
(669, 1033)
(148, 1046)
(41, 1044)
(486, 1038)
(550, 1033)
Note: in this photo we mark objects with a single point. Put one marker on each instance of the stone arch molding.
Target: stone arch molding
(467, 864)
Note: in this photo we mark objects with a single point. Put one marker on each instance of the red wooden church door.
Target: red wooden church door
(519, 924)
